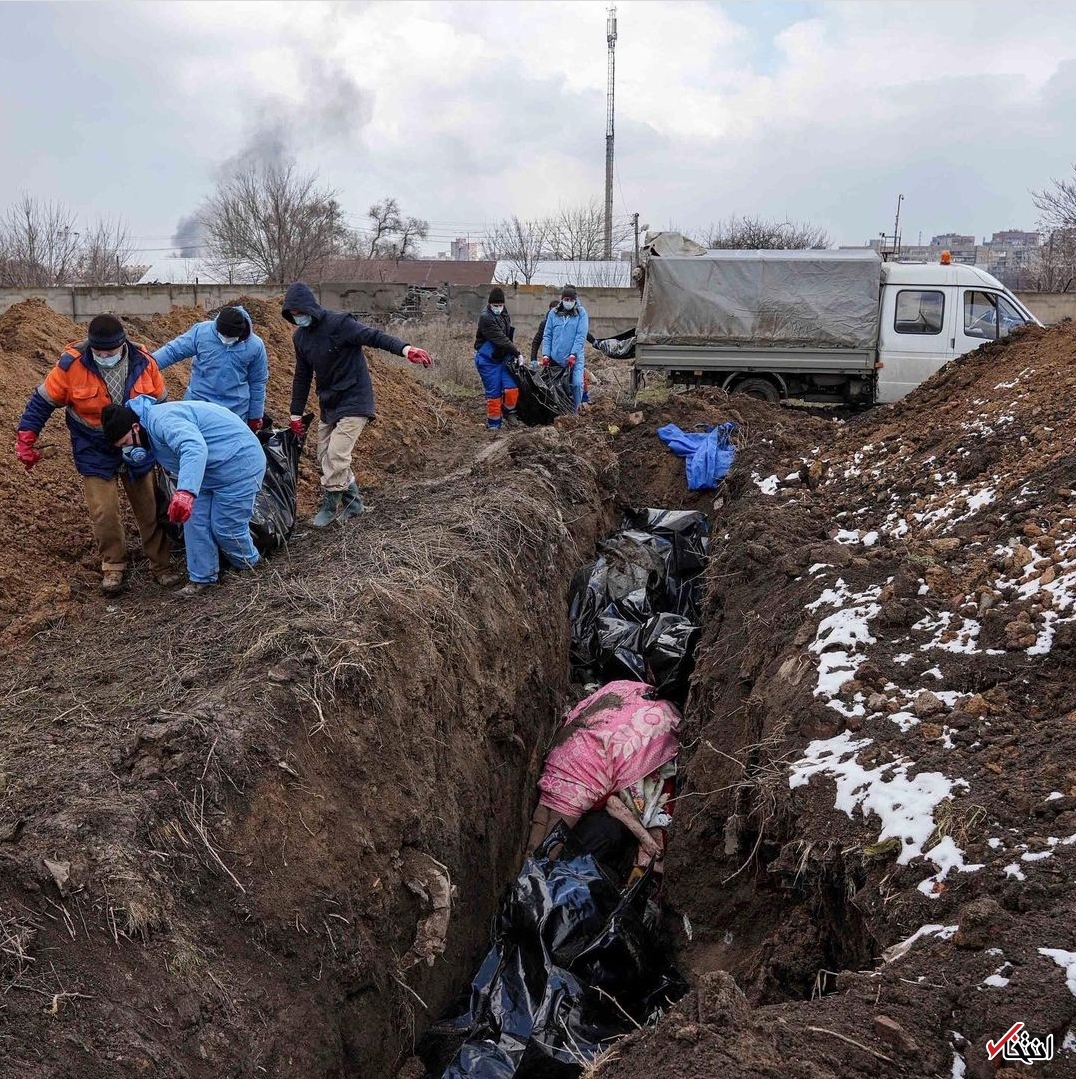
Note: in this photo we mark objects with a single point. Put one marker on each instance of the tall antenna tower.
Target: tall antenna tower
(610, 37)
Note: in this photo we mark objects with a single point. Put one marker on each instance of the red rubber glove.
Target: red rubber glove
(24, 448)
(417, 355)
(571, 361)
(255, 425)
(544, 361)
(296, 426)
(181, 507)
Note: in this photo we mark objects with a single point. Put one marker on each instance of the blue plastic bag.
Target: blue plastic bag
(709, 453)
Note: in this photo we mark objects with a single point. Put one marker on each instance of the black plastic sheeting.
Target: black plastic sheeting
(575, 965)
(634, 611)
(277, 505)
(620, 346)
(544, 393)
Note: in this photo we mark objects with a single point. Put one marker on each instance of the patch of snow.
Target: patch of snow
(1053, 796)
(904, 657)
(895, 951)
(903, 803)
(1069, 1044)
(934, 672)
(960, 1069)
(904, 720)
(924, 589)
(995, 844)
(767, 486)
(817, 568)
(1038, 856)
(996, 981)
(994, 951)
(1014, 871)
(870, 539)
(1065, 960)
(845, 536)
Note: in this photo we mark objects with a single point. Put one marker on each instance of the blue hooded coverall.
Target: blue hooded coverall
(221, 462)
(233, 376)
(566, 335)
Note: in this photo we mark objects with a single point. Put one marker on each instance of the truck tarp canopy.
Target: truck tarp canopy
(811, 299)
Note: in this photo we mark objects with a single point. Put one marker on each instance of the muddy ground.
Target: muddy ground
(225, 827)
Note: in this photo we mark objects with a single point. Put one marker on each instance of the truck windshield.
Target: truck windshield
(989, 316)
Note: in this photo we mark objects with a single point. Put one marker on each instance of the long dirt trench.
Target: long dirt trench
(228, 828)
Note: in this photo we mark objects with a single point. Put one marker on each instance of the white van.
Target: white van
(815, 325)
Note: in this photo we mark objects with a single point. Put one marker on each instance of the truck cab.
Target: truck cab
(931, 313)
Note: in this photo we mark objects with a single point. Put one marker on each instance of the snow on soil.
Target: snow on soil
(1065, 960)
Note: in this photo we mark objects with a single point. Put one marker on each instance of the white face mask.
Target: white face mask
(302, 320)
(568, 305)
(497, 308)
(226, 340)
(107, 362)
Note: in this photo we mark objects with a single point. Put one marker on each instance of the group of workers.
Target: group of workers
(122, 424)
(561, 340)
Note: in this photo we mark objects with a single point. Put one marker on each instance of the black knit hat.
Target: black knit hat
(569, 293)
(496, 294)
(230, 322)
(106, 332)
(116, 421)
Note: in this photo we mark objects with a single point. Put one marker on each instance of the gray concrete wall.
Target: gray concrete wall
(1049, 307)
(611, 309)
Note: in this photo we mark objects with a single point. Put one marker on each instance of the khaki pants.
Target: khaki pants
(335, 443)
(103, 503)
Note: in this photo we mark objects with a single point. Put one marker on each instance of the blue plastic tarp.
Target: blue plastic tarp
(708, 453)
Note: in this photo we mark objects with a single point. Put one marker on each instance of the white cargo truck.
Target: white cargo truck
(836, 326)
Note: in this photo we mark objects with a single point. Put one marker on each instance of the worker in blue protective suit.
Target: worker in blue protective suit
(230, 365)
(565, 338)
(493, 348)
(219, 463)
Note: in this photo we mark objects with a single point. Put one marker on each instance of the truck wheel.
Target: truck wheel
(762, 388)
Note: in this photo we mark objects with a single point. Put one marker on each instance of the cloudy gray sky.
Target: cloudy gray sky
(467, 112)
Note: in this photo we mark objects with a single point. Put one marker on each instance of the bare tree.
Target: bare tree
(1054, 268)
(758, 234)
(577, 233)
(519, 243)
(39, 244)
(384, 221)
(104, 254)
(390, 234)
(270, 219)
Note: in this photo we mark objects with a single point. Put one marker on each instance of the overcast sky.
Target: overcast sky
(467, 112)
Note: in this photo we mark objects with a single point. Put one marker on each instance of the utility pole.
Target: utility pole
(896, 229)
(635, 225)
(610, 38)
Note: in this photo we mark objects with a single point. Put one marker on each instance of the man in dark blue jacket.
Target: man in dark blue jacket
(328, 351)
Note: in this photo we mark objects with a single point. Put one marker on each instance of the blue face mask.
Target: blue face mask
(302, 321)
(497, 308)
(134, 455)
(108, 362)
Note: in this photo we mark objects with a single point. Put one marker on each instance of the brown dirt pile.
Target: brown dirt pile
(883, 711)
(225, 825)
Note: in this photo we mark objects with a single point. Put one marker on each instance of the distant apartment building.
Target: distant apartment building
(464, 250)
(1010, 255)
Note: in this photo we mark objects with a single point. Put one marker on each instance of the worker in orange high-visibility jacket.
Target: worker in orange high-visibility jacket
(104, 369)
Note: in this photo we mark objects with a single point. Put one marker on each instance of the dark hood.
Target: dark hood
(301, 297)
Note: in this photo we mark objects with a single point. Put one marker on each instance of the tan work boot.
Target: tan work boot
(112, 581)
(167, 578)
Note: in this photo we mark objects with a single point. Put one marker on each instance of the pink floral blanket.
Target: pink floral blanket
(613, 738)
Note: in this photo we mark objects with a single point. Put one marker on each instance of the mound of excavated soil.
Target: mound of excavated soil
(229, 828)
(885, 709)
(44, 520)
